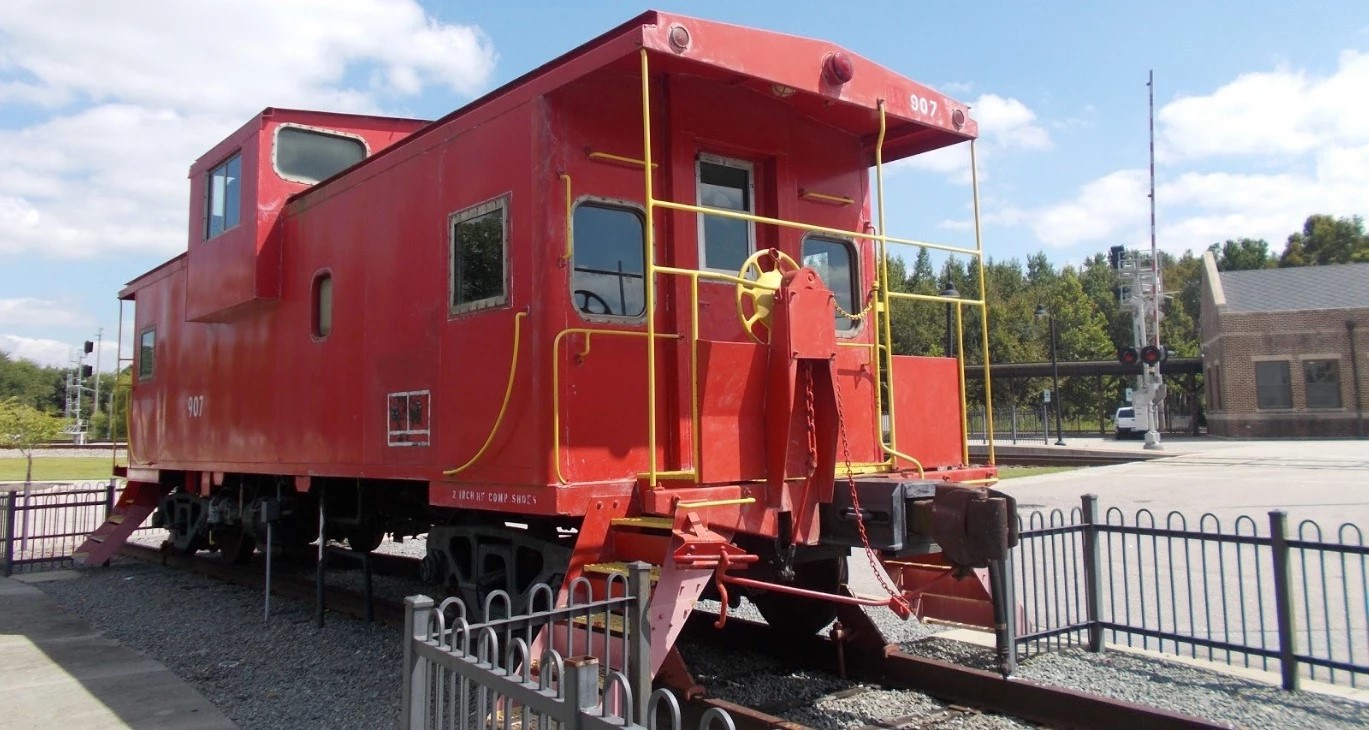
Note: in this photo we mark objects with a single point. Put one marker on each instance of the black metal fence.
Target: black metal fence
(40, 527)
(1237, 594)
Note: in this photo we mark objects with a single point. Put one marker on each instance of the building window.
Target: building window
(835, 262)
(1323, 383)
(147, 353)
(610, 251)
(1272, 385)
(322, 318)
(479, 256)
(725, 243)
(308, 156)
(224, 197)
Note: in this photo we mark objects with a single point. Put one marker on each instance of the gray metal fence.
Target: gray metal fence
(539, 668)
(1233, 593)
(43, 524)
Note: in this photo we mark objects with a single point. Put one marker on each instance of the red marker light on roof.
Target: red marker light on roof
(838, 69)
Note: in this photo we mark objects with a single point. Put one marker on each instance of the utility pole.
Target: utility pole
(1156, 389)
(95, 404)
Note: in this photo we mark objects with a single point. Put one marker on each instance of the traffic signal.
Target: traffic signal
(90, 347)
(87, 371)
(1127, 356)
(1115, 256)
(1152, 355)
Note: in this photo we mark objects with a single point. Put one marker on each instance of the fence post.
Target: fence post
(417, 615)
(1093, 578)
(9, 534)
(109, 498)
(582, 689)
(639, 640)
(1283, 597)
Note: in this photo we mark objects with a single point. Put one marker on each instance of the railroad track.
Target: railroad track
(869, 664)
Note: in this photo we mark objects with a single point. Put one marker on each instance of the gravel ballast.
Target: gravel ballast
(287, 673)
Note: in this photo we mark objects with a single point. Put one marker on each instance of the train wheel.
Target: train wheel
(799, 616)
(364, 539)
(235, 544)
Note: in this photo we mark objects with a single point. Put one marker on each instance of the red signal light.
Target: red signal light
(838, 69)
(1128, 356)
(1150, 354)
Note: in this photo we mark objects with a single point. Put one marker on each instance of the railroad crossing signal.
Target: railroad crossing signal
(1152, 355)
(1128, 356)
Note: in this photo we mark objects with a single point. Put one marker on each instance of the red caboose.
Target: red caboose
(628, 306)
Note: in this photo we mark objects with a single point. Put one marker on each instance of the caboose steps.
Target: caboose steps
(138, 501)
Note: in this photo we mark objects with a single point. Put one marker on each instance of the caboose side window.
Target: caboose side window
(834, 261)
(479, 256)
(308, 156)
(224, 197)
(725, 243)
(147, 352)
(322, 305)
(609, 254)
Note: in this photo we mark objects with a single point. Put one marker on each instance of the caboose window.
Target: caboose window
(224, 197)
(323, 305)
(834, 262)
(479, 256)
(609, 255)
(725, 243)
(308, 156)
(147, 352)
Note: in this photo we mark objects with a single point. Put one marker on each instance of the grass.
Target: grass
(57, 468)
(1013, 472)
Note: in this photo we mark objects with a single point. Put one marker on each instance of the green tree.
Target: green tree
(1325, 240)
(24, 427)
(1243, 254)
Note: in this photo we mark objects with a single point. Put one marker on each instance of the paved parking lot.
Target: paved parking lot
(1326, 481)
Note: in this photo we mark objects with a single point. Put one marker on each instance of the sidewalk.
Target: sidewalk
(57, 672)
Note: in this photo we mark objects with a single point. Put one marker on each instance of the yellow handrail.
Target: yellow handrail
(649, 275)
(556, 380)
(960, 371)
(508, 391)
(984, 312)
(610, 157)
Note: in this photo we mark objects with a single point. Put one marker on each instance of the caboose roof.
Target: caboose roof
(785, 66)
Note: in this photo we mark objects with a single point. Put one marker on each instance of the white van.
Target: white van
(1125, 421)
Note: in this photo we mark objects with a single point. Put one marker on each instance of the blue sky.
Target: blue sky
(1263, 116)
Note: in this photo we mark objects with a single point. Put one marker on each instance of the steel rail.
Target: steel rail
(891, 667)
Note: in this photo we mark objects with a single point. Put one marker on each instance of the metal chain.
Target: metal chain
(858, 316)
(812, 422)
(896, 595)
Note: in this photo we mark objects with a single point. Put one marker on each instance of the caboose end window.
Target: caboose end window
(479, 257)
(833, 260)
(609, 254)
(147, 353)
(725, 243)
(224, 197)
(309, 156)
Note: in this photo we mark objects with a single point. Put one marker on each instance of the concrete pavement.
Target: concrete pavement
(57, 672)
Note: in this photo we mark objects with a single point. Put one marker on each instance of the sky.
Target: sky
(1262, 117)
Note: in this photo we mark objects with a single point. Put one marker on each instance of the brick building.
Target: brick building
(1283, 349)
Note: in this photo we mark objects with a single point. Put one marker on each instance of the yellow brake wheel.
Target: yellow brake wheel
(764, 272)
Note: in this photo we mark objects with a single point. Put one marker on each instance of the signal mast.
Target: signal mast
(1141, 292)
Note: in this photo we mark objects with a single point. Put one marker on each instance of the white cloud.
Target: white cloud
(43, 352)
(1289, 145)
(1004, 124)
(1269, 114)
(30, 312)
(143, 89)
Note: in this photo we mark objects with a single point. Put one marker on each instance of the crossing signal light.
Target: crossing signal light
(1152, 355)
(90, 347)
(87, 371)
(1115, 256)
(1128, 356)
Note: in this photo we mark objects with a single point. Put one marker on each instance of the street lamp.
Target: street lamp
(949, 292)
(1041, 311)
